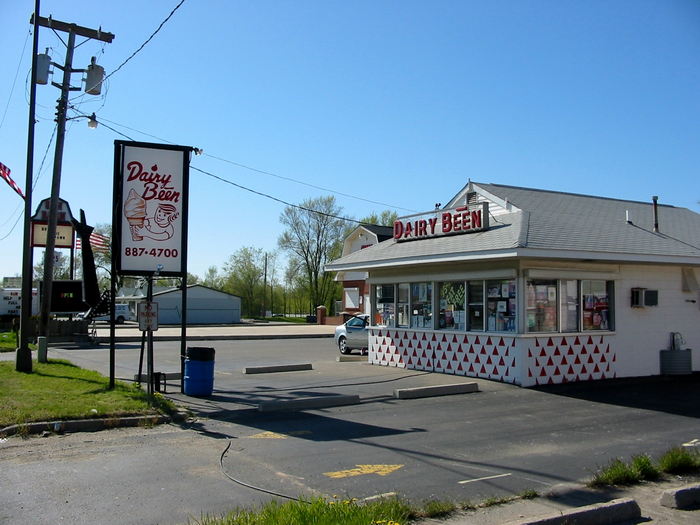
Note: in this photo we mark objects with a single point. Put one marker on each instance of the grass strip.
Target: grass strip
(388, 511)
(677, 460)
(8, 342)
(59, 390)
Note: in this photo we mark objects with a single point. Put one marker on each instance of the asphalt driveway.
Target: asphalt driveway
(499, 441)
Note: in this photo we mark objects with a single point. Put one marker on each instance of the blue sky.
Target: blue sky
(398, 102)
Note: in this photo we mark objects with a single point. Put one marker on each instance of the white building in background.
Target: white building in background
(533, 287)
(204, 305)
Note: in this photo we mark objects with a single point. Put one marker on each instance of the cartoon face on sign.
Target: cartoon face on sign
(157, 226)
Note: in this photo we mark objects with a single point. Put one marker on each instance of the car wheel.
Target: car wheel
(343, 345)
(120, 319)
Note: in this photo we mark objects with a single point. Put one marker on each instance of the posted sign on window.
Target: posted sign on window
(150, 208)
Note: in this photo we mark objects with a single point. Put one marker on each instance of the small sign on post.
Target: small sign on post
(148, 316)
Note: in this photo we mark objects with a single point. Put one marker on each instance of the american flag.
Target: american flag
(99, 243)
(5, 174)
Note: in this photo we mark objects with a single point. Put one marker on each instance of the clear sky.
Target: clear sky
(398, 102)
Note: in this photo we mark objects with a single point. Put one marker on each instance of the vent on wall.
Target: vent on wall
(642, 297)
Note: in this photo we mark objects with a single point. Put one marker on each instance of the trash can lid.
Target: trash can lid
(200, 353)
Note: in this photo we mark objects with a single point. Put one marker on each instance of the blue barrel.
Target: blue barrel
(199, 371)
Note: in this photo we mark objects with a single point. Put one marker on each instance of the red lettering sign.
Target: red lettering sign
(449, 222)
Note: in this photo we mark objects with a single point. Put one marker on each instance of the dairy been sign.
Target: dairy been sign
(150, 208)
(438, 223)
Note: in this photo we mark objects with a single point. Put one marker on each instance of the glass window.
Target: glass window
(422, 305)
(541, 306)
(596, 295)
(568, 305)
(501, 306)
(475, 305)
(402, 305)
(384, 305)
(452, 297)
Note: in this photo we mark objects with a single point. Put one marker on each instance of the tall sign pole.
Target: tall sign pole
(149, 224)
(23, 362)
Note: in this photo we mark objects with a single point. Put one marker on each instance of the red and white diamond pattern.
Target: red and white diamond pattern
(489, 357)
(526, 361)
(566, 359)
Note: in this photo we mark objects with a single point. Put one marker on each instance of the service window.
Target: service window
(501, 306)
(402, 305)
(541, 304)
(596, 297)
(452, 312)
(422, 305)
(384, 313)
(569, 305)
(475, 305)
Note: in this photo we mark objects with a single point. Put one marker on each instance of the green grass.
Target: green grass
(59, 390)
(677, 460)
(390, 511)
(319, 512)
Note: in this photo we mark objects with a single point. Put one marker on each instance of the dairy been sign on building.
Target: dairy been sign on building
(150, 208)
(438, 223)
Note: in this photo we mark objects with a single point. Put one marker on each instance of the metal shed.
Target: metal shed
(204, 306)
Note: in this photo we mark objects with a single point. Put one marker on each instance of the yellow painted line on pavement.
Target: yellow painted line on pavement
(483, 479)
(361, 470)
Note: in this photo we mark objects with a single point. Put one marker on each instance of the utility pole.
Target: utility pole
(23, 358)
(73, 30)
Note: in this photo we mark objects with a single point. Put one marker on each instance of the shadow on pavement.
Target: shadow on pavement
(674, 395)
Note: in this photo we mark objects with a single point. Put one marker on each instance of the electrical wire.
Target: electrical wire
(141, 46)
(248, 485)
(256, 170)
(297, 206)
(14, 81)
(36, 179)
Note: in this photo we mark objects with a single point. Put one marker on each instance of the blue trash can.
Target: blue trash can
(199, 371)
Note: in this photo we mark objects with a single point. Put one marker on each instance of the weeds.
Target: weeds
(677, 460)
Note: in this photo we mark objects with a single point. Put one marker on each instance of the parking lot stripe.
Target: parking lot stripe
(483, 479)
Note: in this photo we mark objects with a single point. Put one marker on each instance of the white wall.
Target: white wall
(643, 332)
(204, 306)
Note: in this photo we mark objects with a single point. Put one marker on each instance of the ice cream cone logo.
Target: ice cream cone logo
(135, 213)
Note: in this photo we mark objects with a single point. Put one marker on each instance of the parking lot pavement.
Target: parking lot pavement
(494, 443)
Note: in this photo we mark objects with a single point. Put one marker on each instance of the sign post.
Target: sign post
(150, 207)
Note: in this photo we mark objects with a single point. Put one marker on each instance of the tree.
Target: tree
(314, 231)
(213, 279)
(244, 277)
(385, 218)
(61, 267)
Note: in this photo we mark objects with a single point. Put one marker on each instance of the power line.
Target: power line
(141, 46)
(250, 168)
(226, 181)
(14, 81)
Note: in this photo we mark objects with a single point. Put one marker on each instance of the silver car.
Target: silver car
(353, 334)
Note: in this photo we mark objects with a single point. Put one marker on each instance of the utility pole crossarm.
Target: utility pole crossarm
(95, 34)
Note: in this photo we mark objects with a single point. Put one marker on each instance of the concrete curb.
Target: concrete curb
(308, 403)
(351, 358)
(431, 391)
(609, 513)
(681, 498)
(88, 425)
(277, 368)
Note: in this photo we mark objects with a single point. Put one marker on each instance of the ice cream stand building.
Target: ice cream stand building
(534, 287)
